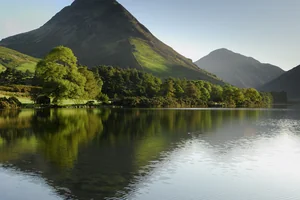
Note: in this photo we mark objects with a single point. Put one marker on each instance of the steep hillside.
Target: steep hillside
(288, 82)
(16, 60)
(238, 70)
(104, 32)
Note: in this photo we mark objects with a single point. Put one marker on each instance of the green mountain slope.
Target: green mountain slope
(103, 32)
(288, 82)
(12, 59)
(239, 70)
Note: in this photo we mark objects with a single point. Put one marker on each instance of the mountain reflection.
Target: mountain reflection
(96, 153)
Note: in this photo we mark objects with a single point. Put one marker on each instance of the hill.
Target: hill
(16, 60)
(237, 69)
(103, 32)
(288, 82)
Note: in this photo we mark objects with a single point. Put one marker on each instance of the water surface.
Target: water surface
(146, 154)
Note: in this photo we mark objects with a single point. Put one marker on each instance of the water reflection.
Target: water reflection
(55, 134)
(258, 166)
(26, 187)
(148, 154)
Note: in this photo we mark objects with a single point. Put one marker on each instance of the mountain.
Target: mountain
(288, 82)
(238, 70)
(103, 32)
(16, 60)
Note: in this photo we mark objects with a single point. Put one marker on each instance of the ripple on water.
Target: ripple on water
(253, 167)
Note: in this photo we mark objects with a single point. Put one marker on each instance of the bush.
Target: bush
(103, 98)
(4, 104)
(129, 102)
(90, 103)
(14, 102)
(10, 103)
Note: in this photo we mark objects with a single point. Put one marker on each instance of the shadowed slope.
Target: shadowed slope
(288, 82)
(238, 70)
(103, 32)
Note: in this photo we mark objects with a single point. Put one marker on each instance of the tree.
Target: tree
(208, 86)
(267, 98)
(205, 95)
(12, 76)
(216, 93)
(168, 89)
(93, 84)
(152, 85)
(59, 77)
(192, 91)
(103, 98)
(238, 96)
(178, 89)
(252, 95)
(228, 94)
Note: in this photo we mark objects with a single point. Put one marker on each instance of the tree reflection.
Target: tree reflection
(59, 134)
(95, 153)
(55, 134)
(63, 132)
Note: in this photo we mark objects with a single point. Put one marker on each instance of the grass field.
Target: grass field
(153, 62)
(22, 97)
(25, 98)
(16, 60)
(30, 66)
(147, 57)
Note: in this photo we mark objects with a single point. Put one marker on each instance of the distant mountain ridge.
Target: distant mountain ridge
(288, 82)
(237, 69)
(103, 32)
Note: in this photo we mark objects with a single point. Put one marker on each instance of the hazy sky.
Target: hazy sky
(268, 30)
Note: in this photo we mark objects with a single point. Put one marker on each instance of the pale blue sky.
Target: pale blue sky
(268, 30)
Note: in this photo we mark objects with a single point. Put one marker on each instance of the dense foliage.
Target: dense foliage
(15, 77)
(131, 139)
(130, 87)
(58, 76)
(61, 77)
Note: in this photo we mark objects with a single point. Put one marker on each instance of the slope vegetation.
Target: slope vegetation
(16, 60)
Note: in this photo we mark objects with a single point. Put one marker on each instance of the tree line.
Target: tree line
(60, 77)
(130, 87)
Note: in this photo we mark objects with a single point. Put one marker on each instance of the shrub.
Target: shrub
(90, 103)
(103, 98)
(14, 102)
(10, 103)
(4, 103)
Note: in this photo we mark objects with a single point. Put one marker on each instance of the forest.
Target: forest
(133, 88)
(59, 76)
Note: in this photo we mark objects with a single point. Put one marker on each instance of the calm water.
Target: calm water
(118, 154)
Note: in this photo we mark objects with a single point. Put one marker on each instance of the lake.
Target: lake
(150, 154)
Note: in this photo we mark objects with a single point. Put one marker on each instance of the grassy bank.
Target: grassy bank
(26, 100)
